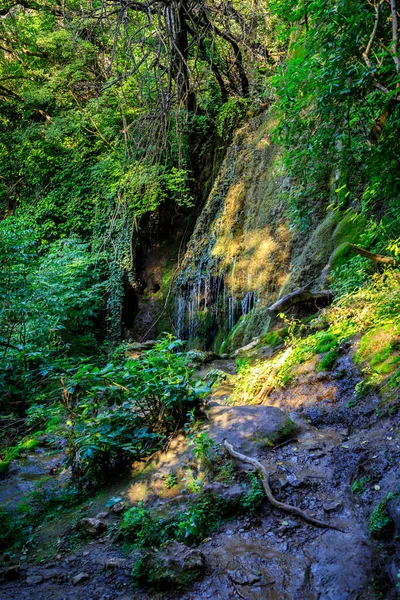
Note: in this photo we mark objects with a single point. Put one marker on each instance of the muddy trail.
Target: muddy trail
(336, 464)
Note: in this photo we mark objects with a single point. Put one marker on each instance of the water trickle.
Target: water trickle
(247, 303)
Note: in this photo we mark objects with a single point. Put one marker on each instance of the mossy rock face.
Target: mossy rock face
(313, 254)
(198, 357)
(172, 565)
(349, 228)
(253, 324)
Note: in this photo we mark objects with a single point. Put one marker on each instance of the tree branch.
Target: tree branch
(395, 36)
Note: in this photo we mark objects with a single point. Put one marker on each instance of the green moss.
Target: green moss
(325, 341)
(315, 254)
(328, 361)
(380, 524)
(387, 367)
(13, 452)
(286, 430)
(349, 228)
(360, 485)
(274, 338)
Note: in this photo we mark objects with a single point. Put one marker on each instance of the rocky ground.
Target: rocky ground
(268, 555)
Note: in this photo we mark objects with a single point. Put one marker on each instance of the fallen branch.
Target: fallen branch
(378, 258)
(264, 476)
(301, 295)
(285, 443)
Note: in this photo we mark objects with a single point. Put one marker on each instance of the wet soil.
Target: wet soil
(268, 555)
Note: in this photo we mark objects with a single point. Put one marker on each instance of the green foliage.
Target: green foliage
(143, 528)
(10, 528)
(380, 524)
(229, 116)
(328, 361)
(118, 413)
(50, 303)
(360, 485)
(254, 497)
(42, 505)
(203, 448)
(371, 313)
(192, 483)
(13, 452)
(171, 481)
(327, 107)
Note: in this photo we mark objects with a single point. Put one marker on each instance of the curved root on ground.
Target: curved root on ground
(262, 471)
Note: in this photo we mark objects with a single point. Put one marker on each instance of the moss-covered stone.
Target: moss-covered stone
(286, 430)
(172, 565)
(380, 524)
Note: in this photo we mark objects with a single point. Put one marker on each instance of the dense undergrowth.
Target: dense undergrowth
(368, 318)
(112, 127)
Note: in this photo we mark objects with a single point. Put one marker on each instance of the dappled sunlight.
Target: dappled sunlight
(245, 240)
(150, 481)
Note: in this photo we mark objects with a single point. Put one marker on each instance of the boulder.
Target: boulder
(92, 526)
(250, 427)
(198, 357)
(80, 578)
(172, 565)
(118, 508)
(34, 579)
(116, 563)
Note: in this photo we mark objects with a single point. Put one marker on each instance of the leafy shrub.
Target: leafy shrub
(121, 412)
(203, 446)
(171, 481)
(141, 528)
(253, 498)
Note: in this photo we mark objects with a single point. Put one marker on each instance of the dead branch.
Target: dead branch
(377, 258)
(300, 296)
(373, 34)
(395, 36)
(264, 476)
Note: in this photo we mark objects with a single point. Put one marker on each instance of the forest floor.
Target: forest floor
(338, 465)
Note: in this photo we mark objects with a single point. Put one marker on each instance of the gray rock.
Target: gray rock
(92, 526)
(141, 346)
(249, 428)
(34, 579)
(102, 515)
(118, 508)
(80, 578)
(201, 358)
(175, 564)
(230, 493)
(51, 574)
(331, 506)
(243, 577)
(116, 563)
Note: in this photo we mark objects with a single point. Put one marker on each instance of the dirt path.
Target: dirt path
(268, 555)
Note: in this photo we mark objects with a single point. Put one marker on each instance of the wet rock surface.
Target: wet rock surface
(249, 428)
(25, 472)
(268, 555)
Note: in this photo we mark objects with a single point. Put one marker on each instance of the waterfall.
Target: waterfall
(209, 305)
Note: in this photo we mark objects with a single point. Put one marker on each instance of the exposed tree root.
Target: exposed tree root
(264, 476)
